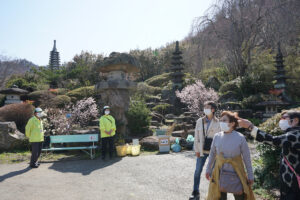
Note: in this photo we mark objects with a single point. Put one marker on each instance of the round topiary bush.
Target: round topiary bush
(81, 93)
(60, 101)
(231, 86)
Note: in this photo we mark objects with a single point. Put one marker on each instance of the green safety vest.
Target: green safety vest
(107, 123)
(34, 130)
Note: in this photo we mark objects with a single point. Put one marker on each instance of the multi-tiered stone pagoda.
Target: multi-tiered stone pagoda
(176, 68)
(280, 71)
(54, 61)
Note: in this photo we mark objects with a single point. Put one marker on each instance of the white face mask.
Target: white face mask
(284, 124)
(224, 126)
(107, 112)
(207, 111)
(39, 115)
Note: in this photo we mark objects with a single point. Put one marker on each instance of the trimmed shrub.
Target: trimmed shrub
(81, 93)
(138, 116)
(251, 101)
(213, 83)
(41, 97)
(19, 113)
(231, 86)
(159, 80)
(59, 91)
(162, 108)
(60, 101)
(145, 89)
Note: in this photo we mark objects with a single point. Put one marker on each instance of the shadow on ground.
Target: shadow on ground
(15, 173)
(85, 167)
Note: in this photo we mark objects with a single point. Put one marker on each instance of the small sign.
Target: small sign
(92, 138)
(164, 141)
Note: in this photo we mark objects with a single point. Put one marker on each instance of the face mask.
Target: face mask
(284, 124)
(224, 126)
(39, 115)
(107, 112)
(207, 111)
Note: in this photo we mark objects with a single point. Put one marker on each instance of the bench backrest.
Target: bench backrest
(74, 138)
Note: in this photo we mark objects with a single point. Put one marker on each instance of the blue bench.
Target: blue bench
(90, 150)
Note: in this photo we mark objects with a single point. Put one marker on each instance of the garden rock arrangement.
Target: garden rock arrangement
(10, 137)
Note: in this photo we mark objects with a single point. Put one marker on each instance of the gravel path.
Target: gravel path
(157, 177)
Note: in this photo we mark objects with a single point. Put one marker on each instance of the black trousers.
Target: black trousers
(107, 141)
(236, 196)
(36, 149)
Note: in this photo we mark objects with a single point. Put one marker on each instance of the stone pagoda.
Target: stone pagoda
(278, 98)
(280, 72)
(176, 68)
(54, 61)
(114, 88)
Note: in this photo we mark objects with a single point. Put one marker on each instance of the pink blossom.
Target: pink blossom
(195, 95)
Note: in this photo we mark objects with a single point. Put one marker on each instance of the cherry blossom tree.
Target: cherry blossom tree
(195, 95)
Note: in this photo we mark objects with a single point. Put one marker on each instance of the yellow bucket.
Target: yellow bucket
(129, 149)
(121, 150)
(135, 150)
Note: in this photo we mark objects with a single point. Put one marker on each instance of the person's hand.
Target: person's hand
(198, 154)
(207, 175)
(250, 182)
(244, 123)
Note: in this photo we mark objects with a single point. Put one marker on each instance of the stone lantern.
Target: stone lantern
(13, 94)
(114, 89)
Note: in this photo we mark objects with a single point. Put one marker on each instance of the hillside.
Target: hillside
(10, 67)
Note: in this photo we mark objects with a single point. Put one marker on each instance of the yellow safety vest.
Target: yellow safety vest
(107, 123)
(34, 130)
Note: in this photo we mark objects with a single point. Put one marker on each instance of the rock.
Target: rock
(157, 117)
(155, 123)
(150, 105)
(85, 131)
(10, 137)
(191, 132)
(170, 116)
(177, 133)
(150, 143)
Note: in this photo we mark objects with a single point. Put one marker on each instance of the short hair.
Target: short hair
(233, 117)
(294, 114)
(212, 104)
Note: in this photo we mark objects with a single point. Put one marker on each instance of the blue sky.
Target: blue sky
(28, 27)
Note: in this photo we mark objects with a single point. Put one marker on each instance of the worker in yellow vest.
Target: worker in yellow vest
(35, 132)
(108, 130)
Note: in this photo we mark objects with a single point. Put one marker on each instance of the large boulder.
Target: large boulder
(150, 143)
(10, 137)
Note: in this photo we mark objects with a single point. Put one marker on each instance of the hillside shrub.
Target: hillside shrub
(41, 97)
(145, 89)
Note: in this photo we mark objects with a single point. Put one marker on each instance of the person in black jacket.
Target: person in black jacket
(290, 144)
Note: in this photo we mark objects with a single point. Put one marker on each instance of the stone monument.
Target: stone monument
(114, 89)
